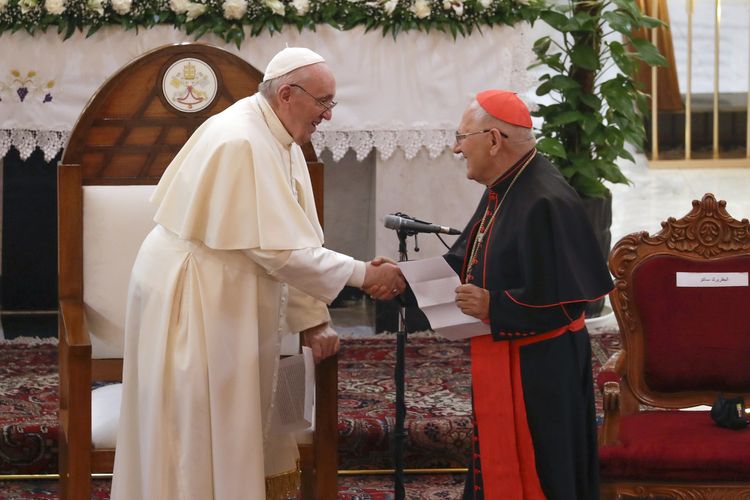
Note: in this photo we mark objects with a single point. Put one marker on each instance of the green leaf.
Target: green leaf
(591, 101)
(551, 147)
(567, 117)
(650, 22)
(585, 57)
(647, 52)
(555, 19)
(557, 82)
(618, 21)
(542, 45)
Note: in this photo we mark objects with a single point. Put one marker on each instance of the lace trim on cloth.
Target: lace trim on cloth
(362, 142)
(385, 141)
(26, 142)
(284, 486)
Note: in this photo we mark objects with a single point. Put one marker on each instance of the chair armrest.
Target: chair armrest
(611, 371)
(73, 331)
(608, 382)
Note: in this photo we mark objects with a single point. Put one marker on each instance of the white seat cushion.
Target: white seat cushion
(105, 415)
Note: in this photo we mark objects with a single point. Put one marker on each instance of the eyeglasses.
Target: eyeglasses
(461, 137)
(328, 106)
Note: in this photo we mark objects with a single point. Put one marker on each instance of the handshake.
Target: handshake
(383, 279)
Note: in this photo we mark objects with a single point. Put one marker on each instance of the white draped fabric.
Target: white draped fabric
(406, 93)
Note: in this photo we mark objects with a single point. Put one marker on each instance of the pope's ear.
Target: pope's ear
(284, 93)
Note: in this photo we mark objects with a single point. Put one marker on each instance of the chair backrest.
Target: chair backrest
(116, 220)
(680, 299)
(117, 152)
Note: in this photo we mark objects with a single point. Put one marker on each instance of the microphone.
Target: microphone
(400, 223)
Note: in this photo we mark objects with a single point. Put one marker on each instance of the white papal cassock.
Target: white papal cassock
(234, 262)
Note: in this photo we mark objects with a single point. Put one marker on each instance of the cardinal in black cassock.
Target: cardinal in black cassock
(529, 264)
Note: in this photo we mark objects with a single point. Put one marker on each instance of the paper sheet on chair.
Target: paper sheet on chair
(434, 283)
(295, 393)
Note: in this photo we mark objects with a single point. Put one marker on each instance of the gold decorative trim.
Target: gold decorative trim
(45, 477)
(383, 472)
(284, 486)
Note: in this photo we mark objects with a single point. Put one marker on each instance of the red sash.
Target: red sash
(507, 452)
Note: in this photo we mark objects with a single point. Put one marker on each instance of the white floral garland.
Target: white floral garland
(233, 20)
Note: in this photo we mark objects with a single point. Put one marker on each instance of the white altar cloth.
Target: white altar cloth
(406, 93)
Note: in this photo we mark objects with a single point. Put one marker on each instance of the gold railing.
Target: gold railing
(690, 160)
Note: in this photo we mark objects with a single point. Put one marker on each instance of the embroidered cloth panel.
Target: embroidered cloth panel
(406, 93)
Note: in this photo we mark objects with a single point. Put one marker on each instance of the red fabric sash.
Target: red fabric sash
(507, 452)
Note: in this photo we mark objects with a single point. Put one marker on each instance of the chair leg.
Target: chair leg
(307, 466)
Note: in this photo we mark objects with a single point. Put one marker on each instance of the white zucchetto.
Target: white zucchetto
(290, 59)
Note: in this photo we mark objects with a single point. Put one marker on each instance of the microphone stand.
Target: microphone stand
(399, 433)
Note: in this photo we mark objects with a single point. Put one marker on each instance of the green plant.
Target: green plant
(597, 106)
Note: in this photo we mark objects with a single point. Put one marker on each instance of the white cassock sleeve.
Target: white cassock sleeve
(304, 311)
(318, 272)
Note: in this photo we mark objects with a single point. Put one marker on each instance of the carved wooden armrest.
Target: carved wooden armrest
(608, 382)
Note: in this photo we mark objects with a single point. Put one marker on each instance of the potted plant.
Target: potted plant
(597, 107)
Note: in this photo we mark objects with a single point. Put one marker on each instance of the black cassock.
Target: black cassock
(541, 263)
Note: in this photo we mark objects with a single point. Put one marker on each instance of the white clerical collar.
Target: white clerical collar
(274, 124)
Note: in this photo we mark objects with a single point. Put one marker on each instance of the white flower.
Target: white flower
(421, 8)
(234, 9)
(96, 5)
(523, 2)
(195, 10)
(122, 7)
(485, 3)
(276, 6)
(54, 7)
(179, 6)
(456, 5)
(390, 6)
(302, 6)
(3, 5)
(27, 5)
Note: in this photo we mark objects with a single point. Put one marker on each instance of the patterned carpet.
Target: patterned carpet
(437, 395)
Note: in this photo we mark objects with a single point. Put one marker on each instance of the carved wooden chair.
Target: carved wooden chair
(680, 298)
(117, 152)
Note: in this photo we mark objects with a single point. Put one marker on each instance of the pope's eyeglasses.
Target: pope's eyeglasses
(328, 106)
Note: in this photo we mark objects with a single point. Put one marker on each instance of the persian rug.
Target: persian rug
(418, 487)
(437, 395)
(28, 406)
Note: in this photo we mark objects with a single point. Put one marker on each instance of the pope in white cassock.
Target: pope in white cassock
(234, 262)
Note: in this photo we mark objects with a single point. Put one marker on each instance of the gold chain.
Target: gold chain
(485, 225)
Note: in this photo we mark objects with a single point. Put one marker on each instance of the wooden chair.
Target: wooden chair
(680, 298)
(117, 152)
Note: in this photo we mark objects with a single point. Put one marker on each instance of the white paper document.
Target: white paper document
(295, 393)
(434, 284)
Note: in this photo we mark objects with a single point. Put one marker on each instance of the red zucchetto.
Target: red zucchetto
(506, 106)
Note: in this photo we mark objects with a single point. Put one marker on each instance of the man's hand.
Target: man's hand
(473, 301)
(383, 279)
(322, 339)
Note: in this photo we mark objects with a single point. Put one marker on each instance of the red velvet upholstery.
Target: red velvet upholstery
(676, 446)
(685, 351)
(681, 346)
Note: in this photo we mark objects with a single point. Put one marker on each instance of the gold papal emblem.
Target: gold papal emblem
(189, 85)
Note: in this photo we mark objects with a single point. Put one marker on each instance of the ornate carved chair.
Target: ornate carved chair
(680, 299)
(117, 152)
